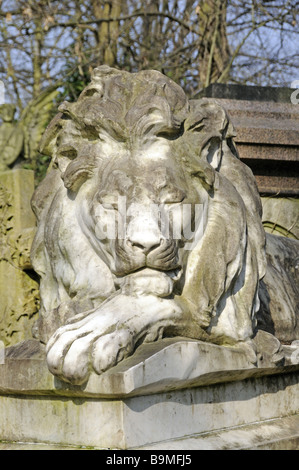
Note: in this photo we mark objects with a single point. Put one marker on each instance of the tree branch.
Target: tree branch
(210, 61)
(237, 50)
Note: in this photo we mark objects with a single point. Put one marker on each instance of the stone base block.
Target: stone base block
(190, 409)
(274, 434)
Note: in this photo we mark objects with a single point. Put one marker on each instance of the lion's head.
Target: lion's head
(146, 195)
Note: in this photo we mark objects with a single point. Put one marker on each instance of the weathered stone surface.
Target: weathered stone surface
(119, 257)
(248, 93)
(278, 313)
(275, 434)
(281, 216)
(207, 396)
(19, 295)
(19, 140)
(170, 401)
(165, 365)
(11, 137)
(38, 446)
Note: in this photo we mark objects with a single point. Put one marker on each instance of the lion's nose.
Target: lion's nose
(143, 234)
(143, 231)
(145, 242)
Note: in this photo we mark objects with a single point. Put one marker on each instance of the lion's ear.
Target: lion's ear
(48, 141)
(212, 152)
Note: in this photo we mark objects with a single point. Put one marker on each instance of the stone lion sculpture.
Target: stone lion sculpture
(149, 226)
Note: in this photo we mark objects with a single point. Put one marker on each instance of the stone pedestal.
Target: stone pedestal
(169, 395)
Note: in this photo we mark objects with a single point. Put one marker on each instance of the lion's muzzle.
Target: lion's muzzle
(145, 246)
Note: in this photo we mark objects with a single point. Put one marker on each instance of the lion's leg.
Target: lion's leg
(109, 349)
(109, 334)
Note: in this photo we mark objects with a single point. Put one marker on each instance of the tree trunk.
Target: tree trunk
(37, 60)
(214, 49)
(108, 31)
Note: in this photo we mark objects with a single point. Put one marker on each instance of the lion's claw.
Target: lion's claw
(111, 349)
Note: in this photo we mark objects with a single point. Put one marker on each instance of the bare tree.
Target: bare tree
(263, 36)
(195, 42)
(214, 49)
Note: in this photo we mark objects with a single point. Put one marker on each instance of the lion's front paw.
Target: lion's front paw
(106, 336)
(76, 353)
(77, 348)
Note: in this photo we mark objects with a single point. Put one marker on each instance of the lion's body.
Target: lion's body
(136, 138)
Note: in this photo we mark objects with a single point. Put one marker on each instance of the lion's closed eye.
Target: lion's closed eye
(172, 196)
(67, 151)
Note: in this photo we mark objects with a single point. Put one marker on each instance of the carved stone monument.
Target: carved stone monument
(11, 137)
(19, 290)
(19, 140)
(159, 287)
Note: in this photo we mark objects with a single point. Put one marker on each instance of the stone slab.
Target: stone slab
(270, 183)
(39, 446)
(252, 151)
(264, 123)
(169, 391)
(170, 364)
(140, 421)
(247, 92)
(276, 434)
